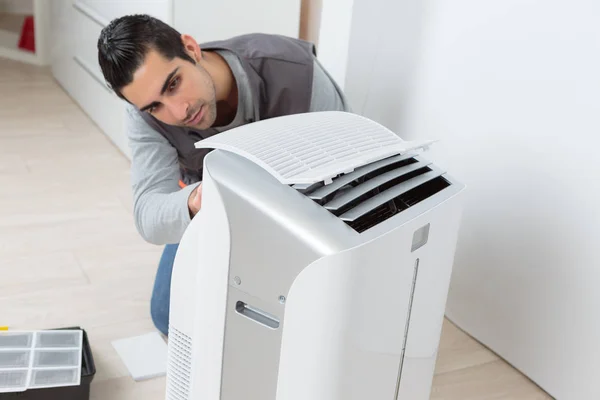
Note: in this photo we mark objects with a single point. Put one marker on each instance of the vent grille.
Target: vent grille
(294, 150)
(180, 366)
(377, 191)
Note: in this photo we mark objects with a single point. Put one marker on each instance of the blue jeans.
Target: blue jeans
(161, 294)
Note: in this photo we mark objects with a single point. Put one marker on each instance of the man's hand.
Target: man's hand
(195, 200)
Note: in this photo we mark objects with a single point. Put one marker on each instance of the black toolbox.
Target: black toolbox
(81, 392)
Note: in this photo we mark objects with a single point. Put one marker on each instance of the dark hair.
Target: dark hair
(124, 43)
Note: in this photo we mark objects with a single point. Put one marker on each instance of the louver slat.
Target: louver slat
(354, 194)
(324, 191)
(388, 195)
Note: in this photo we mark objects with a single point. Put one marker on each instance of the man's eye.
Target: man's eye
(173, 84)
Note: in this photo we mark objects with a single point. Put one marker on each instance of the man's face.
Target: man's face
(175, 92)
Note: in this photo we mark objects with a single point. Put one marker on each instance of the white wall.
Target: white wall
(334, 37)
(369, 47)
(212, 20)
(513, 90)
(17, 6)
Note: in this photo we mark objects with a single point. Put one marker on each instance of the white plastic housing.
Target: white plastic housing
(277, 296)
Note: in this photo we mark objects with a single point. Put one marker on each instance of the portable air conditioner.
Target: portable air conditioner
(318, 267)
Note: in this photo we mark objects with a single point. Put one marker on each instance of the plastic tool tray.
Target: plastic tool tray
(45, 365)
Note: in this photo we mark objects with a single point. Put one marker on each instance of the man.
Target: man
(180, 92)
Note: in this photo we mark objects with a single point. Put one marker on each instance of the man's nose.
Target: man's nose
(179, 110)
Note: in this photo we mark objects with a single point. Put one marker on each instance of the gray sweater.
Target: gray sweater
(160, 206)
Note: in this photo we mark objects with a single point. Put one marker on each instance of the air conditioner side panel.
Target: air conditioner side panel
(210, 288)
(344, 323)
(182, 308)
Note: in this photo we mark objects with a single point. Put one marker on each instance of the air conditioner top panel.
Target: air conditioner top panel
(312, 147)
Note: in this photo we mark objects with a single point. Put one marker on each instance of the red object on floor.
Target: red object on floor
(27, 40)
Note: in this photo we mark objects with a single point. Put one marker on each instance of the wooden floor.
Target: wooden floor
(70, 255)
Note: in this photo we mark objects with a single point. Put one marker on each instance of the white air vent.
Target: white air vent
(312, 147)
(378, 191)
(180, 366)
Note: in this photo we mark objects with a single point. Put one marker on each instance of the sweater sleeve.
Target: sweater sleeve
(160, 206)
(326, 94)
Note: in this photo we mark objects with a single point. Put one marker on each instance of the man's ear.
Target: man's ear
(191, 47)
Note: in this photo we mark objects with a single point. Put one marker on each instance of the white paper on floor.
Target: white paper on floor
(144, 356)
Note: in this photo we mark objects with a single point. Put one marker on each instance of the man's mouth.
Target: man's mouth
(196, 118)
